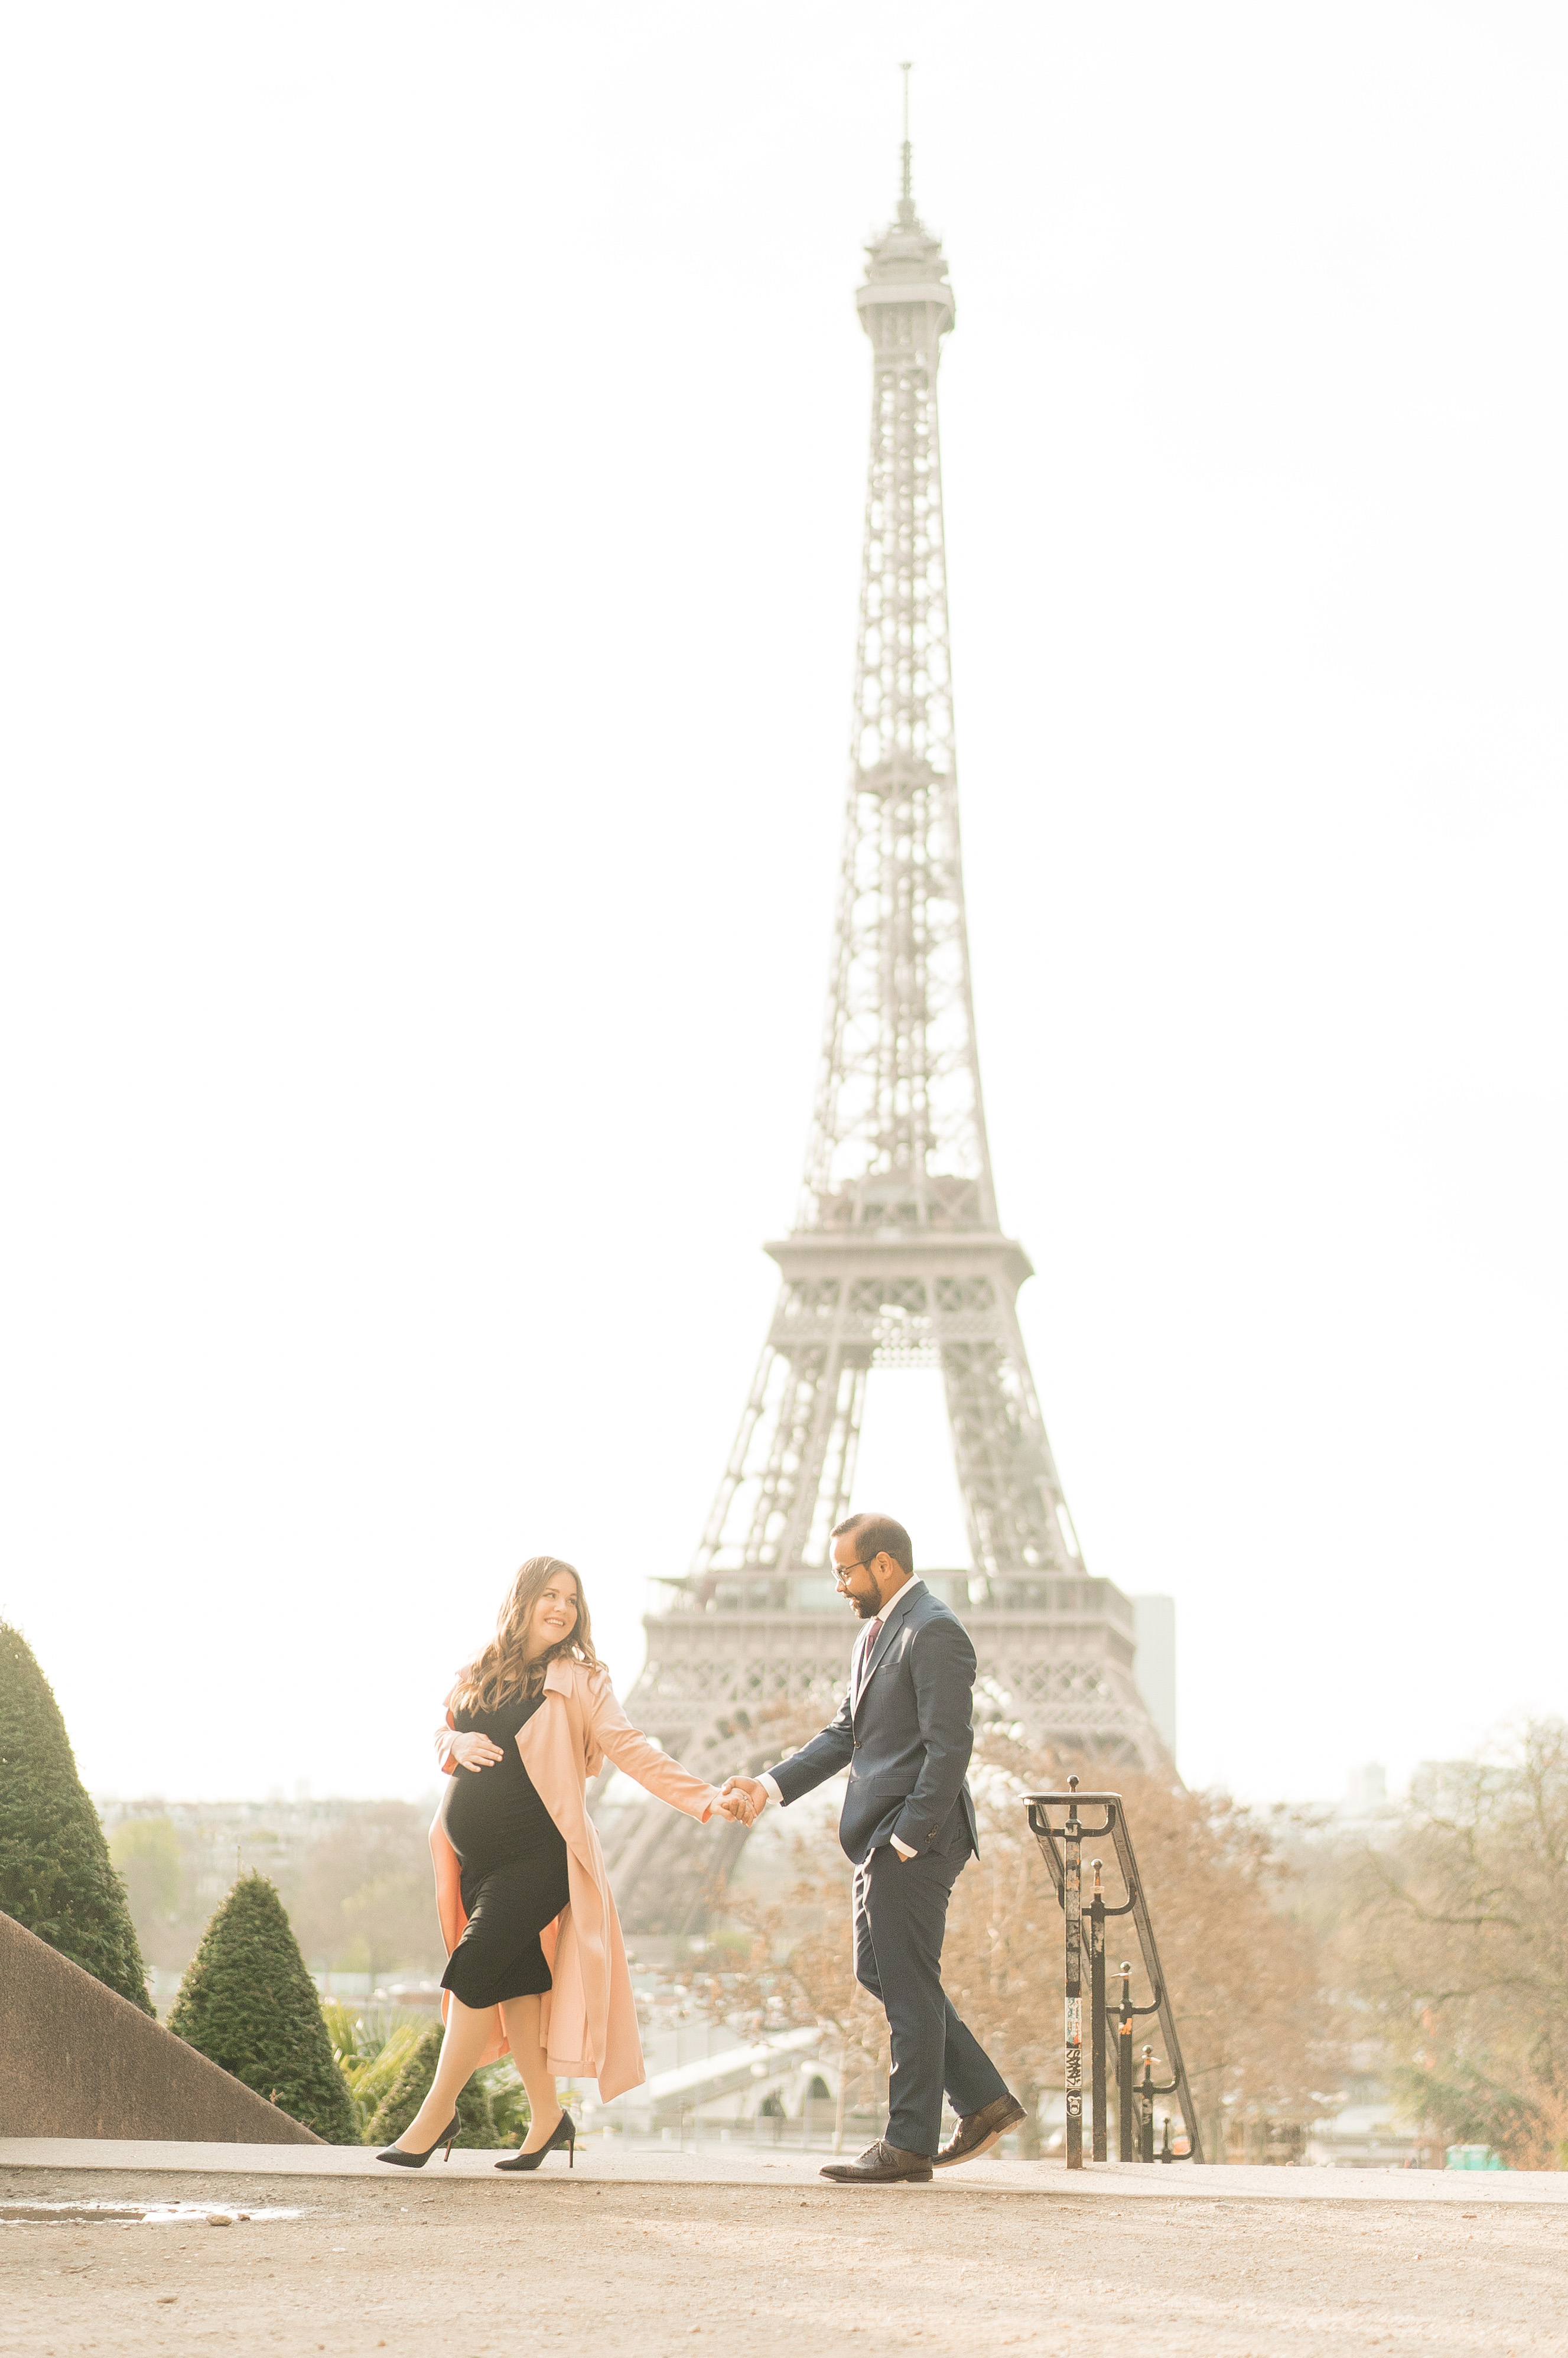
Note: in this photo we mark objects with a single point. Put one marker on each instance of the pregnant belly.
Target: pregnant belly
(474, 1813)
(495, 1817)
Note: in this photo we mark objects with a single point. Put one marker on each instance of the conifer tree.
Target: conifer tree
(56, 1876)
(247, 2003)
(476, 2126)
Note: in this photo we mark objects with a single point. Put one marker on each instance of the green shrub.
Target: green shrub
(509, 2109)
(55, 1872)
(476, 2124)
(369, 2059)
(247, 2003)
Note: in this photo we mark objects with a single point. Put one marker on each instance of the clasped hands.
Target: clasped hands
(743, 1799)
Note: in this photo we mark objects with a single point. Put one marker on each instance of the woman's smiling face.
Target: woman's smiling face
(554, 1614)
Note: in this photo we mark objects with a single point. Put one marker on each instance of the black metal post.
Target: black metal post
(1096, 2010)
(1126, 2151)
(1073, 1904)
(1146, 2108)
(1166, 2152)
(1062, 1844)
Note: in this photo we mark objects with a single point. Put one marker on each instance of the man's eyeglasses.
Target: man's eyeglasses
(842, 1571)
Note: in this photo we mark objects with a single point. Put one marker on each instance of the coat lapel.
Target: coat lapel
(553, 1746)
(894, 1614)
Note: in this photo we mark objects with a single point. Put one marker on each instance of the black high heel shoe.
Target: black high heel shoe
(564, 2133)
(395, 2153)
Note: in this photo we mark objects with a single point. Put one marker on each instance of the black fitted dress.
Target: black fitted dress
(513, 1860)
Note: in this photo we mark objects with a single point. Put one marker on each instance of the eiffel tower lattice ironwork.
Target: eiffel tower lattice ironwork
(897, 1258)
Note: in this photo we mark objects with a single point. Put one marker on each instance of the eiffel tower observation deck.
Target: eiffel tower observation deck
(897, 1258)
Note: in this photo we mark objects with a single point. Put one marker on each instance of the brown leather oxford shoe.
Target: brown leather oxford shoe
(881, 2165)
(978, 2132)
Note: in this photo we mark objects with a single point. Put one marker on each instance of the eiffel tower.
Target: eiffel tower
(897, 1258)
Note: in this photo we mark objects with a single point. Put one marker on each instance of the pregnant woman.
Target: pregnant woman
(534, 1956)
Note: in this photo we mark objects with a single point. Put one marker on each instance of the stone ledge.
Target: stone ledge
(603, 2161)
(80, 2061)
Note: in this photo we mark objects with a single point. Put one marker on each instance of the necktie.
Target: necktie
(873, 1634)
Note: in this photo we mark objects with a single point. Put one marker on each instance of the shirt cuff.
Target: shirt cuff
(902, 1849)
(771, 1789)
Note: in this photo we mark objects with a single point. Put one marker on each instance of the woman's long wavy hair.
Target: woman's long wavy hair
(500, 1673)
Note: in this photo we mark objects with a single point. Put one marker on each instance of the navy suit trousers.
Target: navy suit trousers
(901, 1917)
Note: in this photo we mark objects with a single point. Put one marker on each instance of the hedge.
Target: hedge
(248, 2004)
(56, 1875)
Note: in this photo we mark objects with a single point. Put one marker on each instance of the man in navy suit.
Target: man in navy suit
(905, 1732)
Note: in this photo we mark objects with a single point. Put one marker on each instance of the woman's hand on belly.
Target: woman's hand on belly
(472, 1750)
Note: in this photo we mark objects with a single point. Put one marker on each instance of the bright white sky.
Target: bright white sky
(433, 442)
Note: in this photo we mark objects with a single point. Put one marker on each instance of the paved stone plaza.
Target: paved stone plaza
(109, 2248)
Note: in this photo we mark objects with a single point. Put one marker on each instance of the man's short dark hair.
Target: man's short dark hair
(876, 1535)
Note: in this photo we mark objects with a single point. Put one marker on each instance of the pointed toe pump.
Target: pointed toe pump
(401, 2159)
(564, 2133)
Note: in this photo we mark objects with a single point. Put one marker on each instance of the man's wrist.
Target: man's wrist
(902, 1848)
(770, 1789)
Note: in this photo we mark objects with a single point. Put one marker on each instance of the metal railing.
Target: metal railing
(1062, 1846)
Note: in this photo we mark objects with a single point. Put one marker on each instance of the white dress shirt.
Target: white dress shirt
(857, 1679)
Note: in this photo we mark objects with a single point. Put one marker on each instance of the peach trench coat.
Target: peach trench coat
(589, 2021)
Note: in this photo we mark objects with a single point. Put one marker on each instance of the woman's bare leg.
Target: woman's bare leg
(469, 2033)
(533, 2069)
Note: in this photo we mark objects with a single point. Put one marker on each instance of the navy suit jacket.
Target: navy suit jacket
(906, 1740)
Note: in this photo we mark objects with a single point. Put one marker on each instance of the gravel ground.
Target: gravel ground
(409, 2268)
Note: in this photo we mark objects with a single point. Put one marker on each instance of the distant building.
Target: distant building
(1369, 2136)
(220, 1841)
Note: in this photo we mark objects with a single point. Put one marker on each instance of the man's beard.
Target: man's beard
(868, 1607)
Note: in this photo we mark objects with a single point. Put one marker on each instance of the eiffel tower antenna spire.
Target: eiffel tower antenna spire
(897, 1257)
(907, 190)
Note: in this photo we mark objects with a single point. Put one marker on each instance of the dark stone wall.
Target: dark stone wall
(77, 2061)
